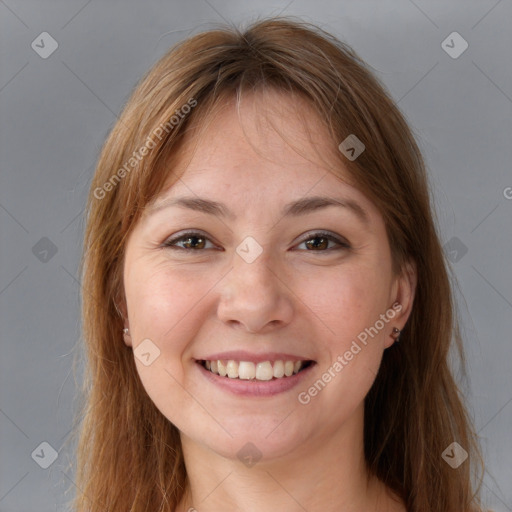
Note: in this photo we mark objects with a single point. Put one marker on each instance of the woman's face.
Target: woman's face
(268, 262)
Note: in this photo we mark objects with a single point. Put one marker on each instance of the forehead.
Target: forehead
(268, 145)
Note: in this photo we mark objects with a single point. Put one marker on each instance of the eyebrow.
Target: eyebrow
(294, 208)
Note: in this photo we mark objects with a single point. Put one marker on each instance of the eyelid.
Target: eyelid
(339, 240)
(167, 243)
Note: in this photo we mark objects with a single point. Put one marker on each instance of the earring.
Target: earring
(126, 331)
(396, 334)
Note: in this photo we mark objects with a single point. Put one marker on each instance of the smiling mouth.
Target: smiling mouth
(247, 370)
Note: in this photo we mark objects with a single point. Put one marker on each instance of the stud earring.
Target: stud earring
(126, 331)
(396, 334)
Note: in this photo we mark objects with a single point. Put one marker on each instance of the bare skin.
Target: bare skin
(303, 295)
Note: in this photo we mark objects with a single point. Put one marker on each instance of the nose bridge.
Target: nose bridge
(256, 274)
(253, 295)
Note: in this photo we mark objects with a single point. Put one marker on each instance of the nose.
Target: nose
(255, 297)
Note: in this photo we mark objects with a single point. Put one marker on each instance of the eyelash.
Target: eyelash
(316, 234)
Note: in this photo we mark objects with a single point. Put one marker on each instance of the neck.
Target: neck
(325, 473)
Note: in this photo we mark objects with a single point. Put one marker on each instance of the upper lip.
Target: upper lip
(242, 355)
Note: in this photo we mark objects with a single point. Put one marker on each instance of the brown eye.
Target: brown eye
(190, 241)
(194, 242)
(319, 242)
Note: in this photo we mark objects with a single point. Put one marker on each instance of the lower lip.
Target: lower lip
(253, 387)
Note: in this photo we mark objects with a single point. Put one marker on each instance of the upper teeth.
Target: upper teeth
(248, 370)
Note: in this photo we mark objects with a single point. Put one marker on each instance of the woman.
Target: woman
(267, 313)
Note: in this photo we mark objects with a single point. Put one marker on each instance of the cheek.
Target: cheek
(162, 303)
(348, 307)
(165, 307)
(347, 300)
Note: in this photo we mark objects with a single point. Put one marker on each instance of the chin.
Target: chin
(255, 439)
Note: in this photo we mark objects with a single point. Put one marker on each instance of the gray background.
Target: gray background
(56, 113)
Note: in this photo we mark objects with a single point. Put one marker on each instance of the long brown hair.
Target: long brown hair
(129, 455)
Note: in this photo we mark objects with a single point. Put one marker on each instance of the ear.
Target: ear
(404, 290)
(121, 308)
(127, 338)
